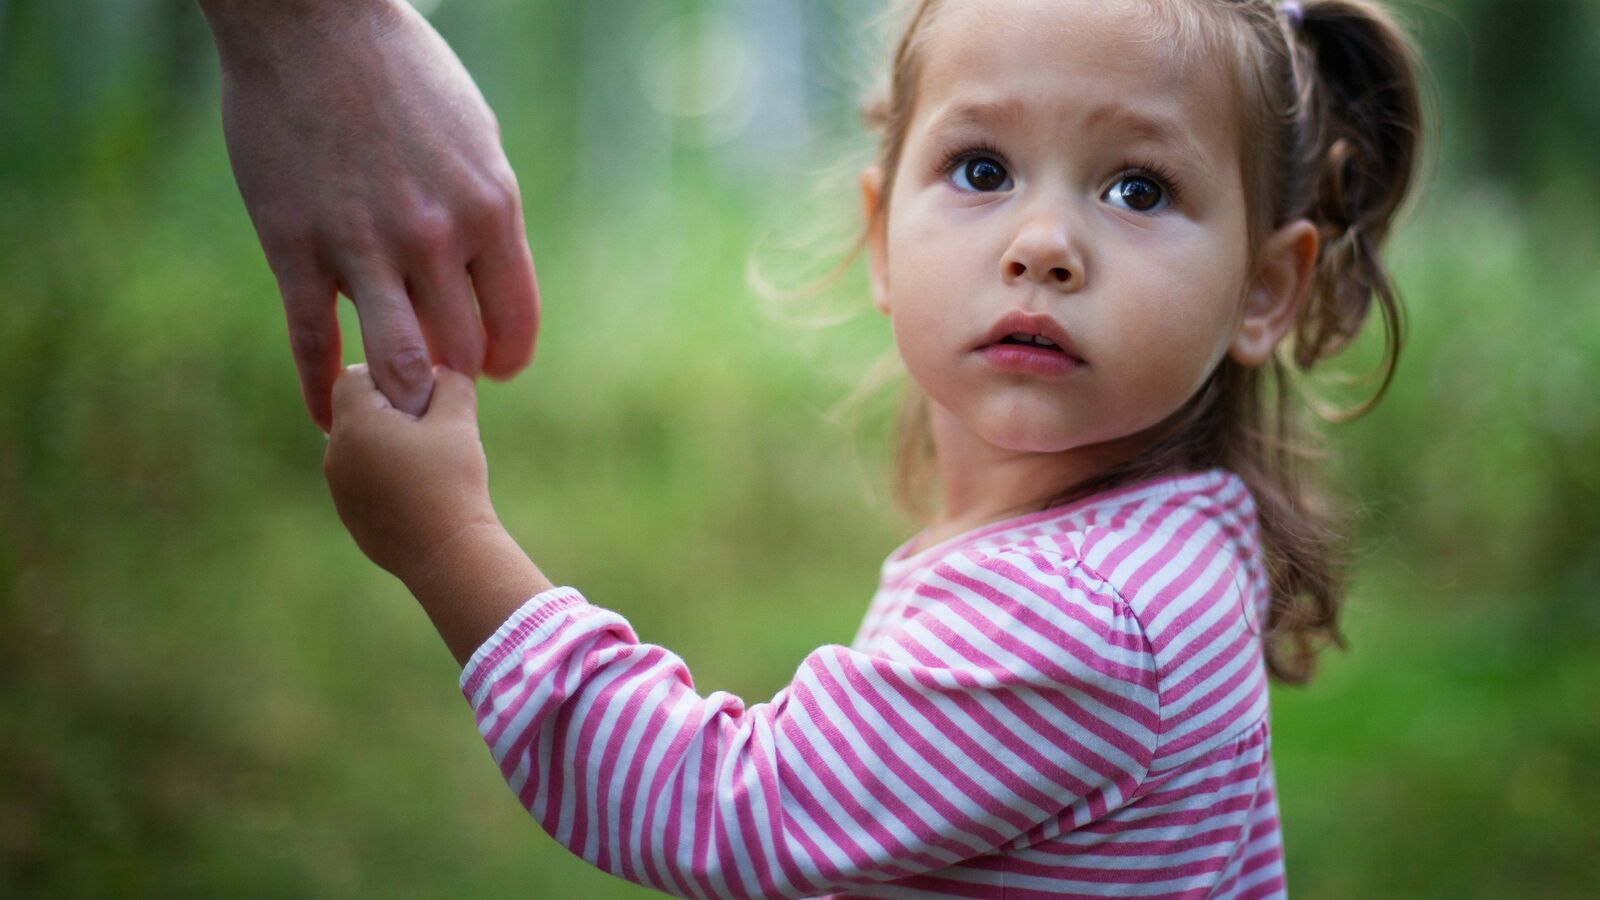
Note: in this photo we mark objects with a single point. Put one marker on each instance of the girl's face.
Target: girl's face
(1065, 173)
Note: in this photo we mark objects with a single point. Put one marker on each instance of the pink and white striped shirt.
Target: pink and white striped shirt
(1071, 703)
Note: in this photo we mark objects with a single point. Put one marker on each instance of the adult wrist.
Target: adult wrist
(248, 31)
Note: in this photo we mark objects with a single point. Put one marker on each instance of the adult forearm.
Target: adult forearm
(472, 584)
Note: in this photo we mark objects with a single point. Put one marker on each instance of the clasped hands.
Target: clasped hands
(371, 166)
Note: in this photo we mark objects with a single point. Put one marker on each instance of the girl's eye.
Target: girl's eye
(982, 174)
(1137, 193)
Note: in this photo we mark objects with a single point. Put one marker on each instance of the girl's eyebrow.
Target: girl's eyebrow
(982, 114)
(1154, 127)
(1109, 117)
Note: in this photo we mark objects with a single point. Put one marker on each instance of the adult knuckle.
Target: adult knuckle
(495, 204)
(428, 232)
(353, 248)
(503, 176)
(304, 290)
(282, 223)
(309, 341)
(354, 235)
(299, 302)
(288, 245)
(409, 366)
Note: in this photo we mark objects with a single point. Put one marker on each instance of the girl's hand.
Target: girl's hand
(407, 487)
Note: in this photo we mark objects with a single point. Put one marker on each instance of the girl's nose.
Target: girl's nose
(1043, 252)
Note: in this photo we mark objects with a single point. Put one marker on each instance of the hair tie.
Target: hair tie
(1294, 12)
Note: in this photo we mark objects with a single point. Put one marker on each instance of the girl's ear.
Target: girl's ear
(877, 251)
(1276, 293)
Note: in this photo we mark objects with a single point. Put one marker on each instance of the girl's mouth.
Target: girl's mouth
(1030, 342)
(1031, 355)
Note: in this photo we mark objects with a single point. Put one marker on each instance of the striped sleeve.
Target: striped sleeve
(1016, 692)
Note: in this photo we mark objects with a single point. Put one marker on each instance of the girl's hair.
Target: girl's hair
(1330, 126)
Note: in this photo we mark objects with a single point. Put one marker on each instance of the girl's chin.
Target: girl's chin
(1006, 424)
(1029, 438)
(1044, 435)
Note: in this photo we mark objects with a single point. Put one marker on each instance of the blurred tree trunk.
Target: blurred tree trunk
(1518, 83)
(623, 139)
(96, 88)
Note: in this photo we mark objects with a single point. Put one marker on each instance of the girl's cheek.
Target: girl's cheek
(916, 226)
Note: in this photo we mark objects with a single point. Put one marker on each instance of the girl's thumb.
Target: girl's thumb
(355, 393)
(454, 394)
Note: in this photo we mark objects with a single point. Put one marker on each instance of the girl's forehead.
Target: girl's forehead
(1076, 63)
(1124, 37)
(1061, 17)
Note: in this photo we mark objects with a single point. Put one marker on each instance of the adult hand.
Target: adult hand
(371, 166)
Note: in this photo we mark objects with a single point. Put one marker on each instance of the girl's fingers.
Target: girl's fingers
(454, 394)
(355, 392)
(397, 353)
(508, 298)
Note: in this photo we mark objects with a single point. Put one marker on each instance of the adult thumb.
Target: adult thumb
(454, 395)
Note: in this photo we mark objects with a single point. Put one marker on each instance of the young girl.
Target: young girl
(1091, 223)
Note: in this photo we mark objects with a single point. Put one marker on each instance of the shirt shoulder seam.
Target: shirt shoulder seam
(1075, 561)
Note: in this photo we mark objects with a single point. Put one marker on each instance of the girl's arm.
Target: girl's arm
(1016, 700)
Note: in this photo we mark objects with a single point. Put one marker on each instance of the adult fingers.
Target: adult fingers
(397, 353)
(309, 304)
(443, 298)
(508, 296)
(454, 395)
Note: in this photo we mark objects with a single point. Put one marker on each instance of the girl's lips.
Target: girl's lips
(1021, 322)
(1031, 359)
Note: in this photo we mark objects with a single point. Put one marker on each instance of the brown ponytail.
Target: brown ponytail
(1354, 129)
(1354, 153)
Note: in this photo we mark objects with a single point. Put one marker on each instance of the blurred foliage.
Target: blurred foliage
(205, 689)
